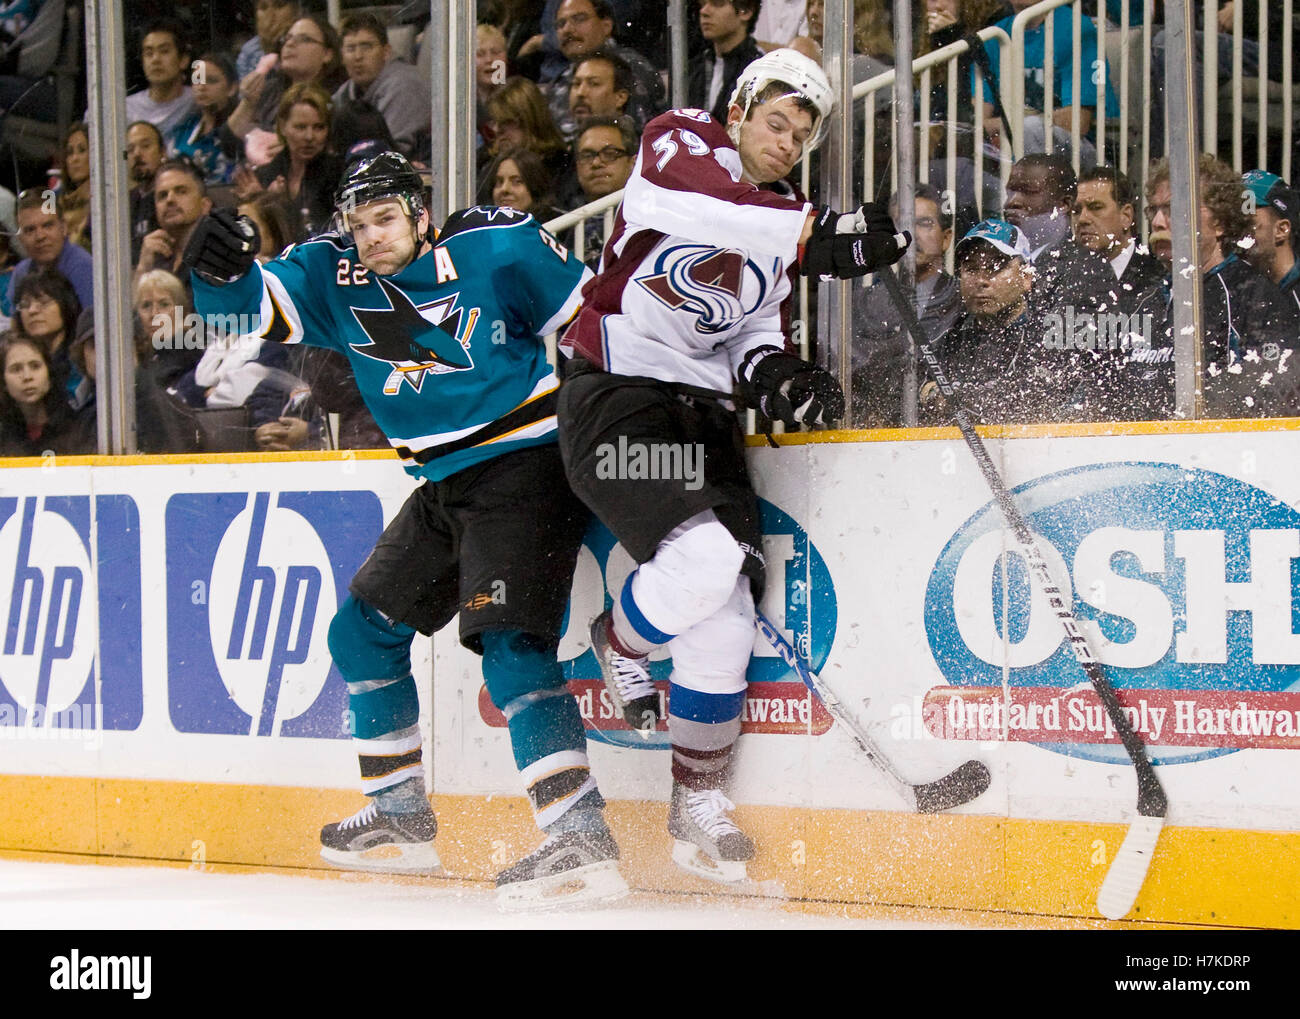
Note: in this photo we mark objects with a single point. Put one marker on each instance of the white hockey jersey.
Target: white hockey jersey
(697, 270)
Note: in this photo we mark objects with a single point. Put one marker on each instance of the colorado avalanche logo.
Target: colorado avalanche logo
(707, 282)
(416, 341)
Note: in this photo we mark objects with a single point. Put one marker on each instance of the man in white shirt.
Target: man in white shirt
(167, 102)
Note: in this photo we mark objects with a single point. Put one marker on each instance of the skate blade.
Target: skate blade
(595, 882)
(689, 858)
(417, 858)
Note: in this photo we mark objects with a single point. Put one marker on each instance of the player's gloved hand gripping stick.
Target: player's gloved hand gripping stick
(223, 247)
(1128, 869)
(848, 245)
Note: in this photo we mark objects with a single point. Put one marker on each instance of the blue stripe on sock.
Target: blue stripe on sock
(710, 708)
(644, 628)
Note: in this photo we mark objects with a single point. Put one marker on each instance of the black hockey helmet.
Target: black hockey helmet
(369, 178)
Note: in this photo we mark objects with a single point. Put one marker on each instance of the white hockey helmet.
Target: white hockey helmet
(804, 76)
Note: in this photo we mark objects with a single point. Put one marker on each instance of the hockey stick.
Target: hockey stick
(1128, 870)
(960, 786)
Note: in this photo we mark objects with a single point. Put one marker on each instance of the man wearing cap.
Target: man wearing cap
(1277, 208)
(997, 355)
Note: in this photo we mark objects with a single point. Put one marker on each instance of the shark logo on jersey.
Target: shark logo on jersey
(416, 340)
(708, 282)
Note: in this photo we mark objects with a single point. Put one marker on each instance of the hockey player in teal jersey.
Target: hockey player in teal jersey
(442, 334)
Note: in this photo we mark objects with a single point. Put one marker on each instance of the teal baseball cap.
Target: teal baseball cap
(1002, 235)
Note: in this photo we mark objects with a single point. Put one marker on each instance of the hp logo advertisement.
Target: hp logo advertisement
(69, 599)
(253, 580)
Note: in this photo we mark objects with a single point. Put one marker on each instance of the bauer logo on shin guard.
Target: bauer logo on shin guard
(253, 580)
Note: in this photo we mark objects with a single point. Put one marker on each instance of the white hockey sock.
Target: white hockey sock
(691, 576)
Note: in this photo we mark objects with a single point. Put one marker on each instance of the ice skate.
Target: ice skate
(627, 680)
(574, 866)
(385, 843)
(709, 845)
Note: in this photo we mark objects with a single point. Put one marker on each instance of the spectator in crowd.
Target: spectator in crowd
(333, 391)
(1062, 81)
(779, 22)
(45, 311)
(305, 173)
(309, 54)
(168, 101)
(1249, 330)
(880, 344)
(246, 371)
(520, 24)
(181, 200)
(519, 118)
(393, 87)
(602, 85)
(995, 355)
(949, 21)
(1104, 215)
(490, 73)
(160, 425)
(625, 16)
(200, 139)
(272, 20)
(520, 181)
(35, 419)
(604, 153)
(1277, 210)
(583, 27)
(44, 236)
(160, 302)
(145, 151)
(1041, 193)
(74, 195)
(273, 222)
(728, 27)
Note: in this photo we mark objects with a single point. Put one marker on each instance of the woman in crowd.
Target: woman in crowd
(35, 419)
(74, 199)
(46, 309)
(309, 54)
(519, 118)
(160, 303)
(520, 181)
(200, 137)
(305, 173)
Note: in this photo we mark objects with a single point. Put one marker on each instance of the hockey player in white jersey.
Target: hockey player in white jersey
(691, 307)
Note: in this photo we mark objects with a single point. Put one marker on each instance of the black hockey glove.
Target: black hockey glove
(223, 247)
(847, 245)
(788, 389)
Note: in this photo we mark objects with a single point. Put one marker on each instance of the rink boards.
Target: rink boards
(166, 691)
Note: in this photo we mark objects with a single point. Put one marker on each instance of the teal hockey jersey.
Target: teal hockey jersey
(446, 353)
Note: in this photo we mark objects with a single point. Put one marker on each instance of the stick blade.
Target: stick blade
(1128, 871)
(954, 789)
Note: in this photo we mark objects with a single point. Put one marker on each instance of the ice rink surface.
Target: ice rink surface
(75, 896)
